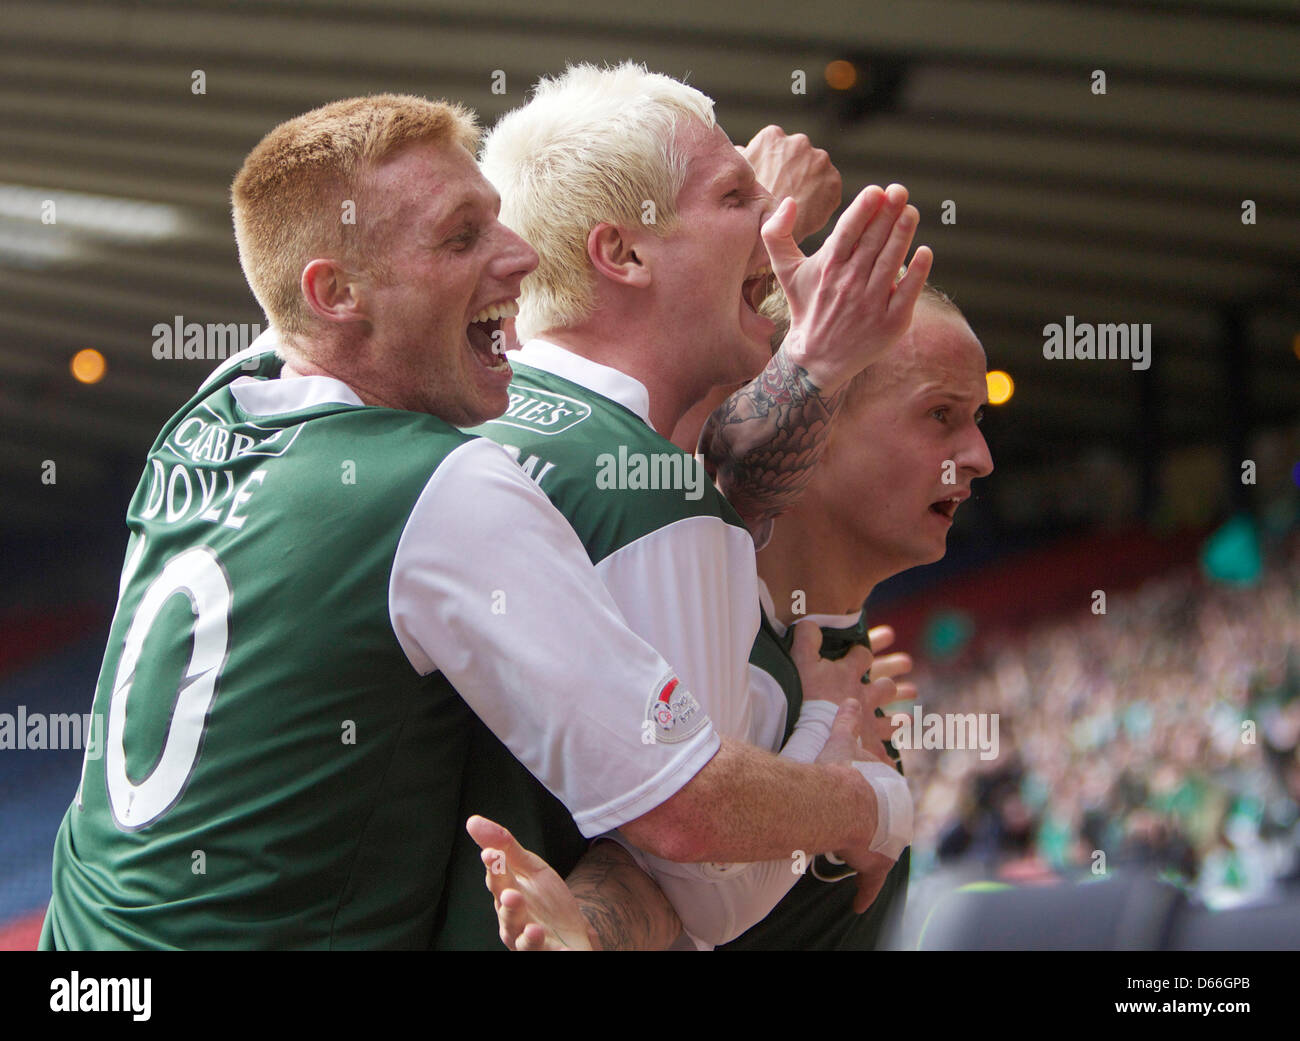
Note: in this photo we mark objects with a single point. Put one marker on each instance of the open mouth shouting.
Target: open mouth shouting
(945, 508)
(757, 286)
(753, 291)
(486, 337)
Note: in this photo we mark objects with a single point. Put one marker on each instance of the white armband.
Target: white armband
(893, 808)
(811, 732)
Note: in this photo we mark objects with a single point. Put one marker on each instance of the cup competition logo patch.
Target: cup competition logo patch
(673, 710)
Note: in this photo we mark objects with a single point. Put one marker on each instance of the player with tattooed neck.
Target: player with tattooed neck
(878, 503)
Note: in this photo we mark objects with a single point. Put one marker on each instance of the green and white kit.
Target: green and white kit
(680, 564)
(324, 607)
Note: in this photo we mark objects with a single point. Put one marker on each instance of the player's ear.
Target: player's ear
(613, 253)
(331, 292)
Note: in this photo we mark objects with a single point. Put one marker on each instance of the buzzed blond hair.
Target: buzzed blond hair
(884, 376)
(289, 197)
(593, 145)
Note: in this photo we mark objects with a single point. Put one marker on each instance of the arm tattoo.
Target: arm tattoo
(623, 906)
(763, 441)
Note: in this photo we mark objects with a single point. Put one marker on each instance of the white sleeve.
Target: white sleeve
(705, 569)
(703, 612)
(718, 902)
(491, 586)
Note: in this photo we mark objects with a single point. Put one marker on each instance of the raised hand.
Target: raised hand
(847, 306)
(847, 303)
(788, 165)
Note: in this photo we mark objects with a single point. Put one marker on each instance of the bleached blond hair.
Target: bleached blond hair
(593, 145)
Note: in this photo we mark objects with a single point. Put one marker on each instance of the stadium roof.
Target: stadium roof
(1125, 206)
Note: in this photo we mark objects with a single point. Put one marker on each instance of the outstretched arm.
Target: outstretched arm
(608, 903)
(620, 900)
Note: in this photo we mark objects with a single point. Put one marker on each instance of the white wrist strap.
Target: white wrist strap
(811, 732)
(893, 809)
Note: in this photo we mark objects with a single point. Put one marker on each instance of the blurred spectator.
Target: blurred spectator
(1160, 736)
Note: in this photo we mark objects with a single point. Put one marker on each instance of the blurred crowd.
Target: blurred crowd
(1161, 735)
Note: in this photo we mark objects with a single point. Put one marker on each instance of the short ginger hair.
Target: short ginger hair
(288, 199)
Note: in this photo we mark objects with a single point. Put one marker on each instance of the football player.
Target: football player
(652, 269)
(330, 592)
(900, 460)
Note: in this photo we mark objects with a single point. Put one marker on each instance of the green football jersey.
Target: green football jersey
(583, 449)
(608, 472)
(275, 774)
(570, 440)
